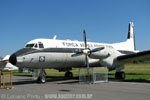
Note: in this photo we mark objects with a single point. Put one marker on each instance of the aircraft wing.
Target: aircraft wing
(135, 57)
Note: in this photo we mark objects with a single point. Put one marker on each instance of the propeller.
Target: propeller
(87, 52)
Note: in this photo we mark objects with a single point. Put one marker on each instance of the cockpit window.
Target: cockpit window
(35, 45)
(41, 45)
(29, 45)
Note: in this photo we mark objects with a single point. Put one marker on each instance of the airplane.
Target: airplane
(6, 65)
(64, 55)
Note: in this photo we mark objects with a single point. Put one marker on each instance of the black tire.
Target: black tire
(117, 75)
(68, 75)
(41, 79)
(120, 75)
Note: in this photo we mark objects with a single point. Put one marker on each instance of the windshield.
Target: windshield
(29, 45)
(35, 45)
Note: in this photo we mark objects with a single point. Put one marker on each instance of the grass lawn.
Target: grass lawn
(134, 72)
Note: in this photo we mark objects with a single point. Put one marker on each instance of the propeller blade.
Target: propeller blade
(96, 49)
(85, 41)
(87, 64)
(86, 56)
(77, 54)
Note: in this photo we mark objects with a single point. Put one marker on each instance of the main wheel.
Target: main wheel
(120, 75)
(68, 75)
(123, 75)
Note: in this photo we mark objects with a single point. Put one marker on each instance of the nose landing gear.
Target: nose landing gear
(39, 75)
(42, 77)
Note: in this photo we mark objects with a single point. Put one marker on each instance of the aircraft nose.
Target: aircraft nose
(13, 59)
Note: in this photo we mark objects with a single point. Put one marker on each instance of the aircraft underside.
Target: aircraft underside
(55, 60)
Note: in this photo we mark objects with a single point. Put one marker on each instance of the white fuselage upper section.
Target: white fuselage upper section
(50, 43)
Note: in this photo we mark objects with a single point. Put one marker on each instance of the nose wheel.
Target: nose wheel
(42, 77)
(120, 75)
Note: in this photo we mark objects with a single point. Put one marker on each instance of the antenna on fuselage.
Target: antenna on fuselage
(54, 38)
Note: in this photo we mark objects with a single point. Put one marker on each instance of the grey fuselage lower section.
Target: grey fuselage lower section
(50, 58)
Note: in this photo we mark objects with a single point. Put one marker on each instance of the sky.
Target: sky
(105, 21)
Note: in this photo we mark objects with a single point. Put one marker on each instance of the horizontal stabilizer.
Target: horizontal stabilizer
(4, 61)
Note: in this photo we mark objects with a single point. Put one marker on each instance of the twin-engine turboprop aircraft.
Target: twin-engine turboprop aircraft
(66, 54)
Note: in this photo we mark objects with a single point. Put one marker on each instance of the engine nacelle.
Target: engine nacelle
(100, 54)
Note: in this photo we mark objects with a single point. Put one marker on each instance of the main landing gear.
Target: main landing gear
(120, 75)
(68, 74)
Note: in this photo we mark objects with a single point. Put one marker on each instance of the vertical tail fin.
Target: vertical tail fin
(131, 30)
(129, 44)
(131, 37)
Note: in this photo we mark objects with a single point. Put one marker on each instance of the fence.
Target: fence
(6, 79)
